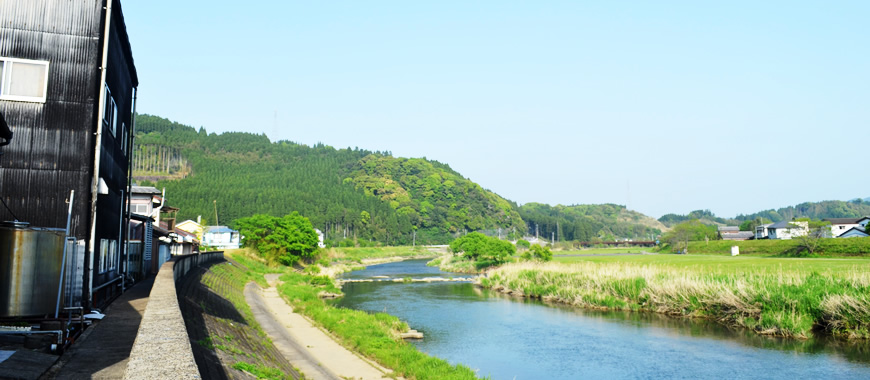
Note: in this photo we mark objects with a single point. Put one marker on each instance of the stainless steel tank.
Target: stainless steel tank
(30, 263)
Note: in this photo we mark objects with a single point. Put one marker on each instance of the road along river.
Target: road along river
(512, 338)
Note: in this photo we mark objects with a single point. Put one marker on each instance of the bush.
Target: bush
(477, 246)
(284, 240)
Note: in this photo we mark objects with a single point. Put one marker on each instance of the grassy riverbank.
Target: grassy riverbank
(827, 248)
(375, 336)
(774, 297)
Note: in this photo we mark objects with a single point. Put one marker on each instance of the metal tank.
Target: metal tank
(30, 265)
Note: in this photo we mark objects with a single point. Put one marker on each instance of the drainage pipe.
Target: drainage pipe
(98, 144)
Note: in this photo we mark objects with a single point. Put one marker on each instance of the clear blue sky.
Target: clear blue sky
(666, 106)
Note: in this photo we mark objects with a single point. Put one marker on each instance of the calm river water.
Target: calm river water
(509, 338)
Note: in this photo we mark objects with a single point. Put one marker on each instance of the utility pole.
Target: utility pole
(536, 231)
(415, 239)
(215, 214)
(553, 238)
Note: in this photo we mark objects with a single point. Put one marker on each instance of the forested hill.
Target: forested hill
(589, 222)
(347, 193)
(815, 210)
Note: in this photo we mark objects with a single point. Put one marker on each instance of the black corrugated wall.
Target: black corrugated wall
(52, 151)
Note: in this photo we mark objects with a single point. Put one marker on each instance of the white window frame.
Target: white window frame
(110, 109)
(33, 99)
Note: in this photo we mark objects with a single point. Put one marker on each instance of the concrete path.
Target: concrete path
(104, 349)
(307, 347)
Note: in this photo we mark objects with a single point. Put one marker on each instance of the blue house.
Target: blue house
(221, 237)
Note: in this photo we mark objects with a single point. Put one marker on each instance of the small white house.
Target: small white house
(221, 237)
(761, 231)
(786, 230)
(840, 226)
(854, 232)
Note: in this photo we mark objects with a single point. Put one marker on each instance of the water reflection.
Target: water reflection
(508, 337)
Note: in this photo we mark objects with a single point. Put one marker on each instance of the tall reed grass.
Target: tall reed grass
(788, 303)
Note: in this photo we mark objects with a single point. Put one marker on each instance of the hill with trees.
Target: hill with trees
(348, 193)
(813, 210)
(605, 222)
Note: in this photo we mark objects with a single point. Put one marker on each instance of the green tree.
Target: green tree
(817, 230)
(749, 225)
(284, 240)
(538, 252)
(692, 230)
(523, 244)
(479, 247)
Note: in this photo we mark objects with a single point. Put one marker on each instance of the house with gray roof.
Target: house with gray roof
(786, 230)
(840, 226)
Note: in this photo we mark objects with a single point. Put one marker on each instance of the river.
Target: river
(510, 338)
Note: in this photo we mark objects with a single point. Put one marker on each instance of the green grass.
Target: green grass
(729, 264)
(246, 343)
(260, 371)
(375, 336)
(829, 247)
(774, 296)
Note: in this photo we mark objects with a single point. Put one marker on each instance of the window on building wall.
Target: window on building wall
(141, 209)
(110, 112)
(108, 255)
(104, 255)
(23, 80)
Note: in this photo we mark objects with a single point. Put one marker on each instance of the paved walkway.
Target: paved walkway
(307, 347)
(104, 351)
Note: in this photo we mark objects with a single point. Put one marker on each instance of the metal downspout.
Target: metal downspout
(121, 237)
(130, 184)
(98, 144)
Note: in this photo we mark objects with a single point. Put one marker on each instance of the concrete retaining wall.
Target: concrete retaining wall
(162, 348)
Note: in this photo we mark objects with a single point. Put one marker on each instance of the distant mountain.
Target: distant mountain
(589, 222)
(815, 210)
(704, 216)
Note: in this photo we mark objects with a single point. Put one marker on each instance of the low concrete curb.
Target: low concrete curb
(162, 348)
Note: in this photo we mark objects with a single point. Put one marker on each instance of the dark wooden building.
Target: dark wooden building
(67, 90)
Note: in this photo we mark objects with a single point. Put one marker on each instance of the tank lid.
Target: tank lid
(15, 224)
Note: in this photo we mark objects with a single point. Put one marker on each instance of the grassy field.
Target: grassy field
(775, 296)
(375, 336)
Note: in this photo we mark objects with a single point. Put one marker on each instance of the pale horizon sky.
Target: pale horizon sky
(666, 107)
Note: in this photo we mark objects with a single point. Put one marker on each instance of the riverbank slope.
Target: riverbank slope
(770, 296)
